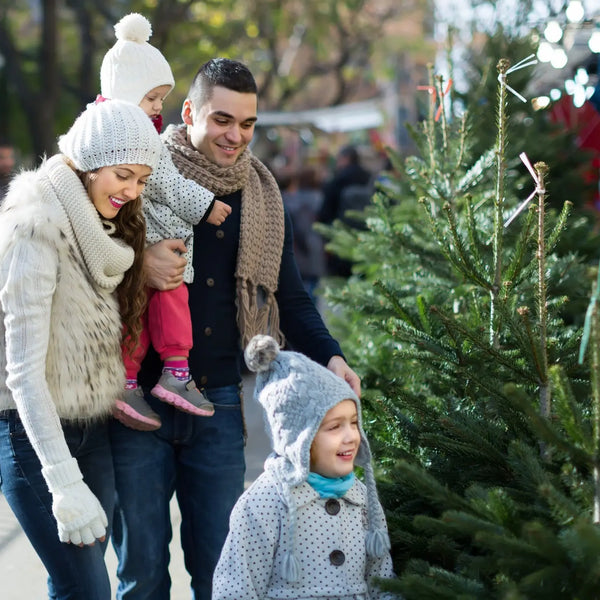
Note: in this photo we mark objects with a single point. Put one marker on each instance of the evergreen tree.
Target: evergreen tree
(466, 325)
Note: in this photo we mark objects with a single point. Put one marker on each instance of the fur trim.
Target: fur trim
(84, 369)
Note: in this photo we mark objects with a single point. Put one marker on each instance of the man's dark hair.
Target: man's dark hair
(220, 72)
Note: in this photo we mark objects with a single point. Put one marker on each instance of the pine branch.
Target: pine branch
(467, 266)
(476, 173)
(559, 227)
(472, 230)
(514, 273)
(545, 392)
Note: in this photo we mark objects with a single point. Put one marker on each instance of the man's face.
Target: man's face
(223, 126)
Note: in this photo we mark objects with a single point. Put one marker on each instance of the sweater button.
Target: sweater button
(203, 380)
(207, 331)
(332, 506)
(210, 282)
(220, 234)
(337, 558)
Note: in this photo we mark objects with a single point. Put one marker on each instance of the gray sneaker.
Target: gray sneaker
(183, 395)
(134, 412)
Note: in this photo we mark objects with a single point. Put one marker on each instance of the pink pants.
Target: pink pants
(167, 326)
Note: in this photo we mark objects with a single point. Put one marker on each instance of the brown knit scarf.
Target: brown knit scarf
(261, 229)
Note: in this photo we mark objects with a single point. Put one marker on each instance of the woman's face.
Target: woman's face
(112, 187)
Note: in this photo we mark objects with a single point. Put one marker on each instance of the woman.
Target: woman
(71, 243)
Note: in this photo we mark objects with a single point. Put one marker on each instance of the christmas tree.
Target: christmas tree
(464, 317)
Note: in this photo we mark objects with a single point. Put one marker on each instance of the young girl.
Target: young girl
(306, 528)
(71, 255)
(137, 72)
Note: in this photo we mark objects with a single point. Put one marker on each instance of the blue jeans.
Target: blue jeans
(201, 459)
(74, 573)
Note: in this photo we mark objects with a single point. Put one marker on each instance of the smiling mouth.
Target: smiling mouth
(116, 202)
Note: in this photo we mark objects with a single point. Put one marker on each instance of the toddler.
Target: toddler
(135, 71)
(307, 527)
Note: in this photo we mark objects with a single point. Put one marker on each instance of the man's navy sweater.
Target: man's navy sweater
(215, 359)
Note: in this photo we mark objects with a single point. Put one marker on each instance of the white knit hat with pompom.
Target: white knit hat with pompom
(296, 393)
(111, 133)
(132, 67)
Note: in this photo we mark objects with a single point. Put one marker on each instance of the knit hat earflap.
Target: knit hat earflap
(296, 393)
(132, 67)
(111, 133)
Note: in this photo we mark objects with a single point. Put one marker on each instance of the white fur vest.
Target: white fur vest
(83, 367)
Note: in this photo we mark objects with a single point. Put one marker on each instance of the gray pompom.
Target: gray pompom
(260, 352)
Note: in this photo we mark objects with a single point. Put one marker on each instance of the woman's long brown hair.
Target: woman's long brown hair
(130, 226)
(131, 293)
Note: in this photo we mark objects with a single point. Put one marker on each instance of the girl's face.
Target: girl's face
(336, 443)
(111, 187)
(152, 102)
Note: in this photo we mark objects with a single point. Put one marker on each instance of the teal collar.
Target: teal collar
(327, 487)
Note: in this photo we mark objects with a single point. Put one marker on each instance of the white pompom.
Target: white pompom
(133, 28)
(260, 352)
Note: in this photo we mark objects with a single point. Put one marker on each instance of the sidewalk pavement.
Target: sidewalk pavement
(22, 575)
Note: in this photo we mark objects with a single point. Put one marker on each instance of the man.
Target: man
(246, 281)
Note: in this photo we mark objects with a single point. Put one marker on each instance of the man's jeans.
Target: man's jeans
(201, 459)
(73, 573)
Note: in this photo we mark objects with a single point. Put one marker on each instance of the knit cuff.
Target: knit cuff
(63, 474)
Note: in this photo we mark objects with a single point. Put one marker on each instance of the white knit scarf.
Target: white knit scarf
(106, 258)
(261, 229)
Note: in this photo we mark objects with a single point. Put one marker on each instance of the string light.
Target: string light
(575, 11)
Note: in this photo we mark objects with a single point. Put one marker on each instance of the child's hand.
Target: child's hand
(218, 213)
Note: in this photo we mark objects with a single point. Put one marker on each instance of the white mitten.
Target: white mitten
(80, 517)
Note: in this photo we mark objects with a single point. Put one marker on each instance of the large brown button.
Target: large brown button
(204, 380)
(332, 506)
(337, 558)
(210, 282)
(207, 331)
(220, 234)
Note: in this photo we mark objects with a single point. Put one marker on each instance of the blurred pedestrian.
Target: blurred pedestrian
(307, 527)
(7, 165)
(71, 253)
(349, 188)
(302, 199)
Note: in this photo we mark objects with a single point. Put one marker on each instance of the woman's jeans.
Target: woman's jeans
(74, 573)
(201, 459)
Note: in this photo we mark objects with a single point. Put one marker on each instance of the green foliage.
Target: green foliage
(303, 54)
(466, 333)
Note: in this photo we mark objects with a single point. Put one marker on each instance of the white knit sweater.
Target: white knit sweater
(60, 327)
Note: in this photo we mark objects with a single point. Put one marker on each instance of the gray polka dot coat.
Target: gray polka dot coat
(330, 545)
(172, 205)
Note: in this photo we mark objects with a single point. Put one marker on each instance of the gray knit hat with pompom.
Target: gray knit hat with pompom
(296, 393)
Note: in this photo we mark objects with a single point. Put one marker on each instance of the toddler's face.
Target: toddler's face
(152, 102)
(336, 443)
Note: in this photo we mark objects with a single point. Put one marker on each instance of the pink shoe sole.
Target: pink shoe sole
(132, 419)
(178, 402)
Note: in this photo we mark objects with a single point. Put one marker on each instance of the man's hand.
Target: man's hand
(218, 213)
(339, 366)
(163, 264)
